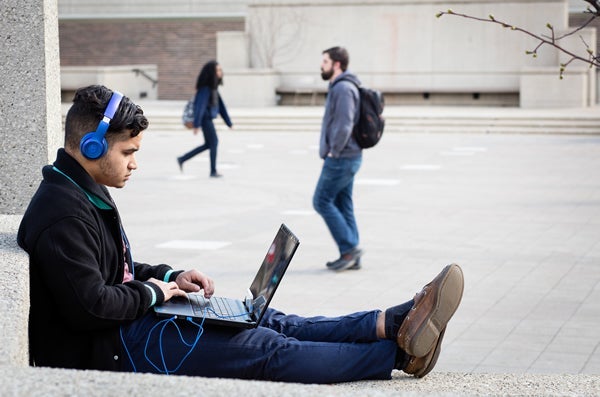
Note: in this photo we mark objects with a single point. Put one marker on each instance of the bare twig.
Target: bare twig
(592, 59)
(578, 29)
(596, 5)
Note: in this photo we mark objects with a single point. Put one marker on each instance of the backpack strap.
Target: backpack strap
(344, 78)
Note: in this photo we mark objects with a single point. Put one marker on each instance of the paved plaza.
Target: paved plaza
(519, 213)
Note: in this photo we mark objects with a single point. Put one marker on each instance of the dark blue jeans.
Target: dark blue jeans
(333, 200)
(284, 348)
(211, 141)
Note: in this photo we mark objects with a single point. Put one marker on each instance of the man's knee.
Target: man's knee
(316, 203)
(321, 202)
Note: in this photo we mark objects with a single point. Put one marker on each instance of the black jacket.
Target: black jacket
(72, 233)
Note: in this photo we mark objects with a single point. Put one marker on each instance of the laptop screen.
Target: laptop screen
(271, 271)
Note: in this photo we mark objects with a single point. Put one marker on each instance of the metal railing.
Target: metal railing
(146, 75)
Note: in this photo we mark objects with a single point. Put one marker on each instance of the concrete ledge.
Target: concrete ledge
(541, 87)
(54, 382)
(166, 116)
(135, 81)
(18, 379)
(14, 295)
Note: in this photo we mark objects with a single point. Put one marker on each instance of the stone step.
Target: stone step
(166, 115)
(398, 123)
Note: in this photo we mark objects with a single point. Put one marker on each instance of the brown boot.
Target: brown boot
(433, 308)
(419, 367)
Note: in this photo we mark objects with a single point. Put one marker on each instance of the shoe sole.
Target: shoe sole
(350, 265)
(345, 266)
(447, 300)
(434, 358)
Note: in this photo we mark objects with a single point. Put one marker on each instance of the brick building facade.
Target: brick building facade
(179, 47)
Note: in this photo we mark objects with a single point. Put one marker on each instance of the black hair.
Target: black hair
(208, 76)
(89, 104)
(339, 54)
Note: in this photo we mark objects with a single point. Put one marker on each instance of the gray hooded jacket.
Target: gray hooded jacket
(341, 113)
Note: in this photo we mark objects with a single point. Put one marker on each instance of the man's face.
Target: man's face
(115, 167)
(326, 67)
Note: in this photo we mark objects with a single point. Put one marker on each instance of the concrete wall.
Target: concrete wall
(401, 48)
(401, 43)
(30, 120)
(244, 86)
(542, 87)
(135, 81)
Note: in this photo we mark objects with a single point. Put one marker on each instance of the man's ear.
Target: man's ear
(337, 65)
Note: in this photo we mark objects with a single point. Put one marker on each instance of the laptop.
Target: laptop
(246, 312)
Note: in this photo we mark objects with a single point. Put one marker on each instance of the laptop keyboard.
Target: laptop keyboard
(215, 307)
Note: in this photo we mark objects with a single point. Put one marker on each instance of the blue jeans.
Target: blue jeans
(333, 200)
(283, 348)
(211, 141)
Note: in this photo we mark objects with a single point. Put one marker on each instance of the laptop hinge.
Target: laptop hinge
(248, 301)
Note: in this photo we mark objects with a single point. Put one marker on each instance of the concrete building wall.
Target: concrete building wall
(401, 43)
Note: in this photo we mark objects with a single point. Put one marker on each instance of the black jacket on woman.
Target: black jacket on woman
(73, 235)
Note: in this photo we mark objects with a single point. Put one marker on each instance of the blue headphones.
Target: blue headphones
(93, 145)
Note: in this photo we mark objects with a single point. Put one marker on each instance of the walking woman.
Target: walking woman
(207, 105)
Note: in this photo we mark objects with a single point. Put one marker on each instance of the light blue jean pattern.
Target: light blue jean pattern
(333, 200)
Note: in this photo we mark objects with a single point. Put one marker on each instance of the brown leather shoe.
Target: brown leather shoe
(433, 308)
(419, 367)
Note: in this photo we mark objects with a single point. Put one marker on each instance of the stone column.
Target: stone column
(30, 112)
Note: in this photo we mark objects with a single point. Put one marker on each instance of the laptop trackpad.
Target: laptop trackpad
(178, 305)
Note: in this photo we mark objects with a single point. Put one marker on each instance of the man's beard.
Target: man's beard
(326, 75)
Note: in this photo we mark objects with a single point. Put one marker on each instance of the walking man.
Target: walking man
(342, 158)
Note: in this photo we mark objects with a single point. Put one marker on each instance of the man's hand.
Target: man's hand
(194, 281)
(169, 290)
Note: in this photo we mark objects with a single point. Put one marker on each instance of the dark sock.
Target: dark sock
(402, 359)
(394, 316)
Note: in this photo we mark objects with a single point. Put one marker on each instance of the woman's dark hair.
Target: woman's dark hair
(208, 76)
(89, 104)
(339, 54)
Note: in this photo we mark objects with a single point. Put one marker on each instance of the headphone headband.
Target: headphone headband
(93, 145)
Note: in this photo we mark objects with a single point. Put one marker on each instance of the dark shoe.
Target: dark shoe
(433, 308)
(419, 367)
(180, 162)
(346, 260)
(356, 265)
(216, 175)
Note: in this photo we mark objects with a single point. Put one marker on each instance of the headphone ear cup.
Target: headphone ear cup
(92, 146)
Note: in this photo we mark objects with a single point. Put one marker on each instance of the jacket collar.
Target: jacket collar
(70, 169)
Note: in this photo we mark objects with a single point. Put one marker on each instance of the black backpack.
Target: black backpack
(369, 128)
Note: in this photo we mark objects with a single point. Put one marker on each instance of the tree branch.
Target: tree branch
(596, 5)
(592, 59)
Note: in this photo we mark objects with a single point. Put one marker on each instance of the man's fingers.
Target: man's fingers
(179, 292)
